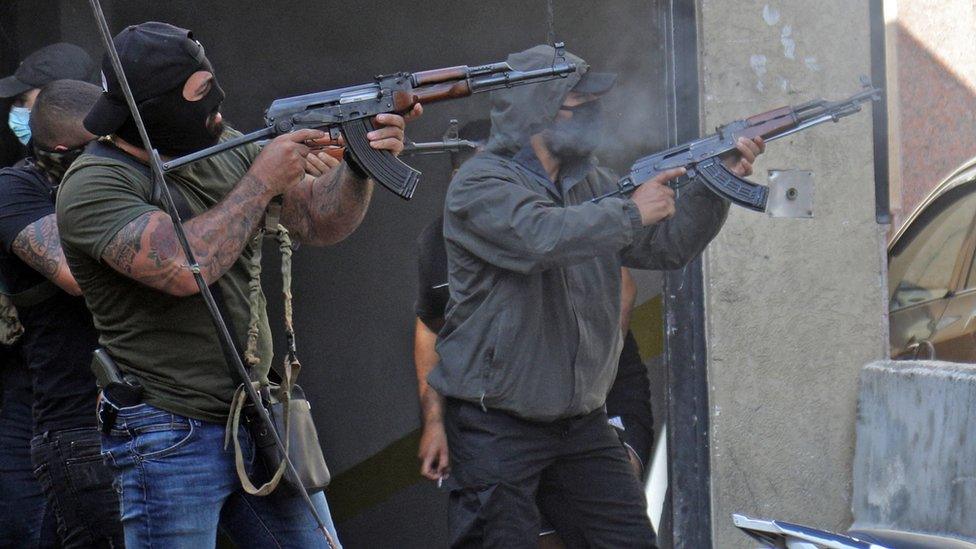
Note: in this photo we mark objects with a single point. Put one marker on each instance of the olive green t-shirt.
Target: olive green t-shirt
(169, 343)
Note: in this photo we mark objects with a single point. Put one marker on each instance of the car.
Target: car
(932, 275)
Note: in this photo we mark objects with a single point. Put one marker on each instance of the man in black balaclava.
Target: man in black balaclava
(178, 481)
(531, 339)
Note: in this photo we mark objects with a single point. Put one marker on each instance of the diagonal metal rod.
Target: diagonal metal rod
(226, 341)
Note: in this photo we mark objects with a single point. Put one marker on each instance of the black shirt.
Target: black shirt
(433, 292)
(14, 384)
(629, 400)
(59, 336)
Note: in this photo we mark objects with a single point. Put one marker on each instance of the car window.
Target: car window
(921, 264)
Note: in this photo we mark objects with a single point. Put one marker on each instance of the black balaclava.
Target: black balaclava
(177, 126)
(577, 137)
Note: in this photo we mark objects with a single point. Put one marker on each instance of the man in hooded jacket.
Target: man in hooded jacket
(531, 340)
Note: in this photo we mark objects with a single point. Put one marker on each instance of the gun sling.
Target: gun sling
(284, 400)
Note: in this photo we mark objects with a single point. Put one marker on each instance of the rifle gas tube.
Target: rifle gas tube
(702, 157)
(348, 112)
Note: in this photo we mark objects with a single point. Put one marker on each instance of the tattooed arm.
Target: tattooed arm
(326, 209)
(147, 250)
(38, 246)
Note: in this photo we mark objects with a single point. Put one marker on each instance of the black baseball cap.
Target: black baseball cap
(597, 83)
(55, 62)
(156, 57)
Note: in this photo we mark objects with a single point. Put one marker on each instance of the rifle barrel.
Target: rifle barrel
(844, 107)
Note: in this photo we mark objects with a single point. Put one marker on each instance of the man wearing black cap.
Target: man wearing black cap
(54, 62)
(178, 482)
(531, 338)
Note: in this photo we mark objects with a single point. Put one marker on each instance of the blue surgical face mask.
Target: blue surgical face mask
(19, 122)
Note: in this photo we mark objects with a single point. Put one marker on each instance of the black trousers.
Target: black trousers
(79, 486)
(577, 467)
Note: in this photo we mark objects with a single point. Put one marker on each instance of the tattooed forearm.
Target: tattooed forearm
(327, 209)
(122, 250)
(218, 236)
(148, 250)
(39, 246)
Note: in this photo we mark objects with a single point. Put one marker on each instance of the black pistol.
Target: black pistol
(120, 389)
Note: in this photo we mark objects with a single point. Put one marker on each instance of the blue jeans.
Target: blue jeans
(178, 485)
(78, 486)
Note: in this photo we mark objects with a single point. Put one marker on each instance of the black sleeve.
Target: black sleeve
(23, 200)
(629, 401)
(432, 294)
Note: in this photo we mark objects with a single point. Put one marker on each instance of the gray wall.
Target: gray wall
(915, 465)
(794, 307)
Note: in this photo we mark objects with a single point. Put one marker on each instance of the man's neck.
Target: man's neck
(133, 150)
(549, 162)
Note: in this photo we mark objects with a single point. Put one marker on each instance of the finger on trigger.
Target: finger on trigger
(306, 134)
(675, 172)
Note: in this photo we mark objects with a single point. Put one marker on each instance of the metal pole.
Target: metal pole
(686, 367)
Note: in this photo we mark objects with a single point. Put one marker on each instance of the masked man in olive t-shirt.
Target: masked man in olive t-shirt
(178, 483)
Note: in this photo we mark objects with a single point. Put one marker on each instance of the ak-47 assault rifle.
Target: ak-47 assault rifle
(348, 112)
(702, 157)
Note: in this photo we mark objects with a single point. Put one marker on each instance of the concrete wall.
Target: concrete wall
(794, 307)
(915, 465)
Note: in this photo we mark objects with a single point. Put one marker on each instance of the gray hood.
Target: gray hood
(519, 112)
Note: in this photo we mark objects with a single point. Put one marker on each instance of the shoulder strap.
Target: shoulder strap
(99, 148)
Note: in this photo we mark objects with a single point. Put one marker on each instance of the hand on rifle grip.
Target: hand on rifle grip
(318, 162)
(654, 198)
(282, 163)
